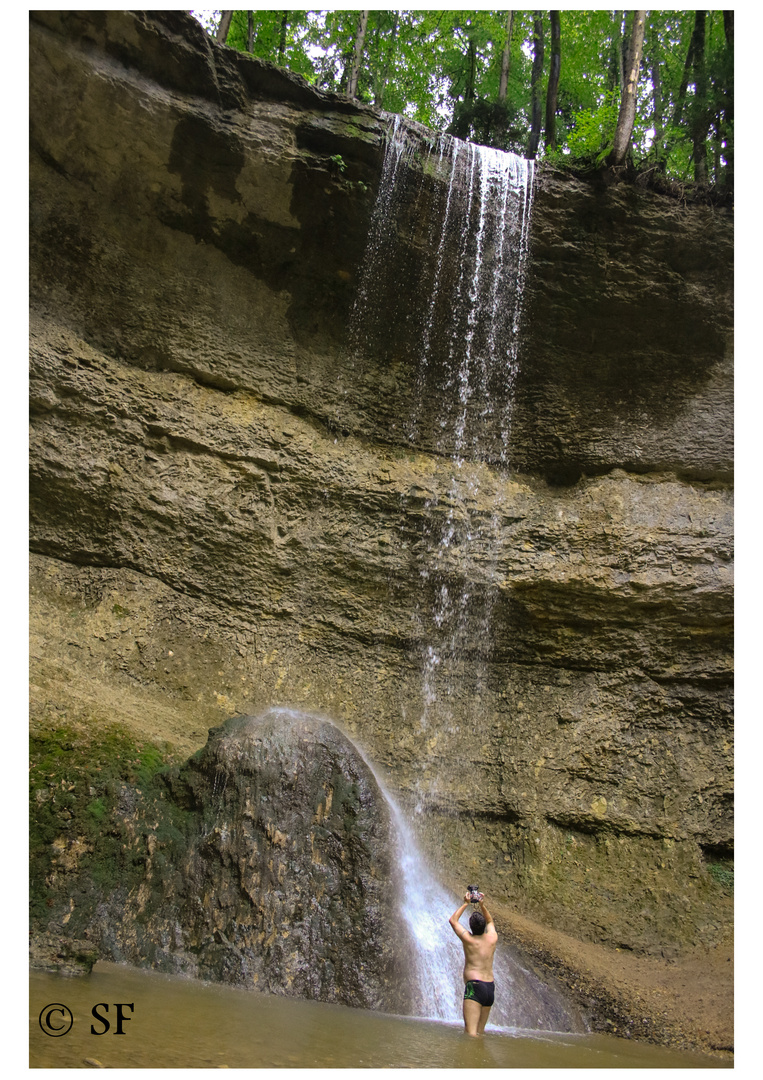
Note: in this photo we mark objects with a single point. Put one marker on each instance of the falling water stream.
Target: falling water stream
(437, 957)
(463, 338)
(179, 1022)
(461, 332)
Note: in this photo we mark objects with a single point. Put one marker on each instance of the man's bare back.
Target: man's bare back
(479, 950)
(478, 955)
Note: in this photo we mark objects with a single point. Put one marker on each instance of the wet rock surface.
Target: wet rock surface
(227, 513)
(266, 861)
(290, 886)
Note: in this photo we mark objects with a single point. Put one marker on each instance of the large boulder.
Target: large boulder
(266, 861)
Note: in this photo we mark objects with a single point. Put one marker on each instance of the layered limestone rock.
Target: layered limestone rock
(227, 512)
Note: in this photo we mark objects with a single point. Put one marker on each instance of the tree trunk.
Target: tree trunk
(506, 60)
(627, 114)
(536, 111)
(681, 96)
(471, 72)
(352, 85)
(700, 118)
(282, 40)
(728, 28)
(250, 31)
(680, 101)
(553, 79)
(616, 53)
(381, 83)
(224, 27)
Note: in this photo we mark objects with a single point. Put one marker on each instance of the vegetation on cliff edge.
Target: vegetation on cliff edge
(548, 84)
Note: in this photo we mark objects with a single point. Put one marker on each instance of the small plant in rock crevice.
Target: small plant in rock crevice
(722, 874)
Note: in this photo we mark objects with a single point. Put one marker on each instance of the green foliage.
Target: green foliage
(591, 137)
(442, 69)
(272, 30)
(97, 809)
(723, 873)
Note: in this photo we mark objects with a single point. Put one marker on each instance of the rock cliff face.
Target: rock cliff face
(227, 512)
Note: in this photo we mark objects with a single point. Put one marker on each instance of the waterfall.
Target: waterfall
(456, 318)
(491, 192)
(455, 314)
(437, 959)
(522, 1000)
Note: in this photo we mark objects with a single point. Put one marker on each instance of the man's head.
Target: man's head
(477, 923)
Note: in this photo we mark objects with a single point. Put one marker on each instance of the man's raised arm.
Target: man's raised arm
(454, 920)
(489, 923)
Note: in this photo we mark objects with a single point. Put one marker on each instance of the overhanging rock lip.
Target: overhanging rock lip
(258, 78)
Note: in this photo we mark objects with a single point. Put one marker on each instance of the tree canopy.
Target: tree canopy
(557, 85)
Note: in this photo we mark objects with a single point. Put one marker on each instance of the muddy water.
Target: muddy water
(177, 1023)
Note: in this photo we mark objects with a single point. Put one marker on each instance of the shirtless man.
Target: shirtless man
(479, 950)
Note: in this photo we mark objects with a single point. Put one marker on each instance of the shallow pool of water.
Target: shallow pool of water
(180, 1023)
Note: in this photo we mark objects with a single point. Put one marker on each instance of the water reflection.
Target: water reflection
(178, 1023)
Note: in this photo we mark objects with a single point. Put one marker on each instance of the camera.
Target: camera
(473, 893)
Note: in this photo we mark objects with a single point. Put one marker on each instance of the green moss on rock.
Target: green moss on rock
(81, 840)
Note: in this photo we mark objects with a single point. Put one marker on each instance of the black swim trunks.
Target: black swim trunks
(482, 992)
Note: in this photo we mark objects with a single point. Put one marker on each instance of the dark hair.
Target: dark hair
(477, 923)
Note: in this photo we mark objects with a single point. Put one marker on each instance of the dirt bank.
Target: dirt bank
(686, 1003)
